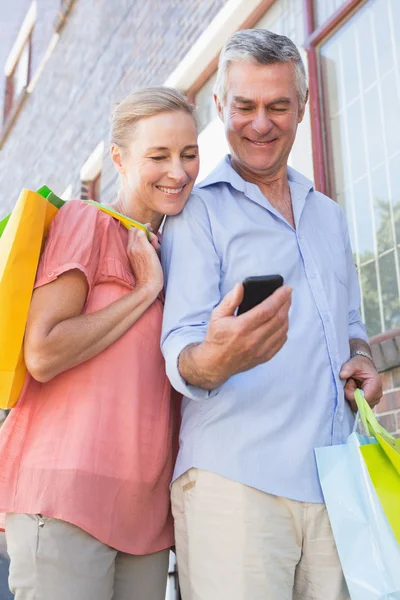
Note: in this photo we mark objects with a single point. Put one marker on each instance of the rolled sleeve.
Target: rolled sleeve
(172, 348)
(73, 242)
(192, 288)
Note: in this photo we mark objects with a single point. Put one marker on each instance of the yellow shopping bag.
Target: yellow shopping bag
(21, 237)
(382, 458)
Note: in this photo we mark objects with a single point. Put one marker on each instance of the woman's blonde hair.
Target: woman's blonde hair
(143, 103)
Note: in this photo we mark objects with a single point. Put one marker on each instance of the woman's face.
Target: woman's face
(161, 164)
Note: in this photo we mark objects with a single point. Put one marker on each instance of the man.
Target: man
(265, 388)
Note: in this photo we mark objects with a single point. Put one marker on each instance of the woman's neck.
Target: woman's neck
(136, 211)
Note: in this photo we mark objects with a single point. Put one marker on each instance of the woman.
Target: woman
(87, 455)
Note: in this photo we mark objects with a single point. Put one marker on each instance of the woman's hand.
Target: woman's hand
(59, 335)
(143, 256)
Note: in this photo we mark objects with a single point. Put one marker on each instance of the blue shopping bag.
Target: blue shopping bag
(368, 550)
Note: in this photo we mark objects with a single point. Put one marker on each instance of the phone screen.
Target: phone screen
(257, 289)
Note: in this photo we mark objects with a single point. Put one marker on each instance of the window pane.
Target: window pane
(374, 131)
(360, 77)
(341, 162)
(323, 9)
(382, 210)
(368, 64)
(206, 109)
(394, 178)
(390, 293)
(369, 285)
(356, 140)
(364, 227)
(383, 41)
(350, 71)
(391, 111)
(20, 76)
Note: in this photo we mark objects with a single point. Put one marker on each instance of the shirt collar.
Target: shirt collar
(225, 173)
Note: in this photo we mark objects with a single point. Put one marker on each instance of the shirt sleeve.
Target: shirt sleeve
(192, 285)
(357, 328)
(73, 242)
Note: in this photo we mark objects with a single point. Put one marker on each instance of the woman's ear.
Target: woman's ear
(116, 157)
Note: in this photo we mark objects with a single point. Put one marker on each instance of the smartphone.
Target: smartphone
(257, 289)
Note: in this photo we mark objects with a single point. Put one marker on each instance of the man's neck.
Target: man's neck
(274, 186)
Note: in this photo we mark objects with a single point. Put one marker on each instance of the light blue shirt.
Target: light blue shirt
(260, 428)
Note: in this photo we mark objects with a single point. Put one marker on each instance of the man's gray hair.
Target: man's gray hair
(260, 47)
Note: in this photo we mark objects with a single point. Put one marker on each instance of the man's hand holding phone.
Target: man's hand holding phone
(237, 343)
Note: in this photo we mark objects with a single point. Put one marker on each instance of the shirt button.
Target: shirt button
(51, 274)
(313, 276)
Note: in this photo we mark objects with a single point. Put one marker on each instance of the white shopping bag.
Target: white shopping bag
(368, 550)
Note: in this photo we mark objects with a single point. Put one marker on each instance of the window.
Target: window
(90, 190)
(360, 77)
(18, 80)
(204, 100)
(324, 9)
(62, 14)
(90, 175)
(17, 67)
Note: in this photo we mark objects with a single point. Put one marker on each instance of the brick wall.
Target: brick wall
(386, 355)
(388, 410)
(106, 49)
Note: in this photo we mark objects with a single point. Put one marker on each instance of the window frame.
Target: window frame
(90, 174)
(13, 103)
(62, 14)
(315, 37)
(90, 190)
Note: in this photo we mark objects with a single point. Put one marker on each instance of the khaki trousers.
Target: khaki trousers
(54, 560)
(234, 542)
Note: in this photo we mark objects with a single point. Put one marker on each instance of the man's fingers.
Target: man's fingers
(229, 303)
(372, 389)
(277, 304)
(349, 389)
(273, 310)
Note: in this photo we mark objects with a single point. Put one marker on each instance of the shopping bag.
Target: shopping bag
(367, 547)
(20, 246)
(382, 457)
(21, 238)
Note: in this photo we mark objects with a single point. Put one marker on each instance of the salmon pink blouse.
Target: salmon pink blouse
(95, 446)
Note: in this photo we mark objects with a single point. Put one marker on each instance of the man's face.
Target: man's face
(261, 115)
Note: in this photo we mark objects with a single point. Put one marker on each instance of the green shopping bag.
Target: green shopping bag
(382, 457)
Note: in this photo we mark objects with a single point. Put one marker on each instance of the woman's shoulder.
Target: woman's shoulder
(78, 209)
(80, 218)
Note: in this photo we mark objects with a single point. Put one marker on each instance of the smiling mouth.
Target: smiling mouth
(170, 191)
(262, 144)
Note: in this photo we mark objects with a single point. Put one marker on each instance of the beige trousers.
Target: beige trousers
(54, 560)
(234, 542)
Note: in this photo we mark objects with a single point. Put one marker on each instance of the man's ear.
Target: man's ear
(220, 108)
(302, 111)
(116, 157)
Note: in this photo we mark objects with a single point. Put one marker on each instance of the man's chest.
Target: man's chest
(257, 242)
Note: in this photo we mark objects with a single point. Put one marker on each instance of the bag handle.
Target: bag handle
(59, 203)
(126, 221)
(368, 418)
